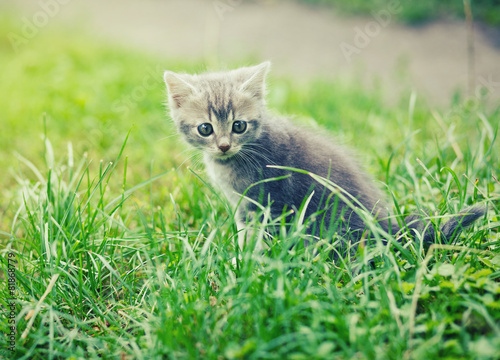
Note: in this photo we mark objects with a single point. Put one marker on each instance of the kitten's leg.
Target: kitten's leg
(242, 234)
(246, 232)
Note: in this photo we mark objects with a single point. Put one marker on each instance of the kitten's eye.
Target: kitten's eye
(239, 126)
(205, 129)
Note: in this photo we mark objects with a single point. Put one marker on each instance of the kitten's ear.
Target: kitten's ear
(179, 88)
(255, 82)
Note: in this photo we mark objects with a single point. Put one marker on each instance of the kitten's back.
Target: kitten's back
(293, 146)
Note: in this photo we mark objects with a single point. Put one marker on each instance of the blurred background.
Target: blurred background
(81, 74)
(426, 45)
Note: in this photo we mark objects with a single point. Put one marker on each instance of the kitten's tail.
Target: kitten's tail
(450, 229)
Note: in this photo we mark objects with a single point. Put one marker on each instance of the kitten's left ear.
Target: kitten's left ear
(179, 88)
(255, 82)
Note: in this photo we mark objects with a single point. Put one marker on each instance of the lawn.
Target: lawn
(484, 11)
(122, 249)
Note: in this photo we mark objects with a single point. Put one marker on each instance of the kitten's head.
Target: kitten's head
(218, 112)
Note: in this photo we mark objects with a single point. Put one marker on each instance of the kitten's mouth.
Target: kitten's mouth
(224, 156)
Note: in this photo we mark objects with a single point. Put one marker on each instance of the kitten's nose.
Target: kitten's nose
(224, 147)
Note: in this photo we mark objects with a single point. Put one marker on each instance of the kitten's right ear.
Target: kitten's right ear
(179, 89)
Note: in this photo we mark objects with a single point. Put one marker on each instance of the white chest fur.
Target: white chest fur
(224, 178)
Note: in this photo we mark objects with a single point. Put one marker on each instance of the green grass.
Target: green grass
(130, 256)
(418, 12)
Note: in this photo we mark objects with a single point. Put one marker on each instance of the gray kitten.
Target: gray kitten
(224, 114)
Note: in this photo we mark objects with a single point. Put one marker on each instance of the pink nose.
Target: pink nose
(224, 147)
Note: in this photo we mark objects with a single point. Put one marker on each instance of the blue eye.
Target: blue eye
(239, 126)
(205, 129)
